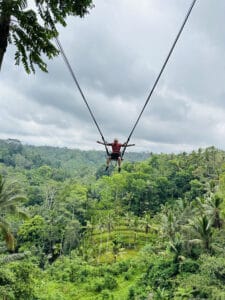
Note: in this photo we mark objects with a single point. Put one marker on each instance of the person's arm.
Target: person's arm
(127, 145)
(107, 144)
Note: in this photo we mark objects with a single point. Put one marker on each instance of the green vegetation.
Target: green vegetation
(154, 231)
(22, 24)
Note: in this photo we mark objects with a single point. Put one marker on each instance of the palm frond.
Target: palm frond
(195, 242)
(13, 257)
(4, 225)
(15, 199)
(8, 237)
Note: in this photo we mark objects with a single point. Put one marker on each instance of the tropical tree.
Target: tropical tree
(202, 226)
(169, 225)
(176, 247)
(109, 222)
(116, 249)
(72, 235)
(31, 30)
(213, 209)
(89, 229)
(100, 227)
(129, 218)
(10, 197)
(147, 223)
(136, 224)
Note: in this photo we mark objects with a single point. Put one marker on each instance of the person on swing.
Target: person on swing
(116, 154)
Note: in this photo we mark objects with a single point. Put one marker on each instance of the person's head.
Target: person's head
(115, 140)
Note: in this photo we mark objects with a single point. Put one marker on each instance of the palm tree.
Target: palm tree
(101, 226)
(89, 230)
(135, 223)
(109, 223)
(129, 220)
(203, 228)
(176, 247)
(212, 207)
(147, 223)
(169, 225)
(10, 196)
(72, 236)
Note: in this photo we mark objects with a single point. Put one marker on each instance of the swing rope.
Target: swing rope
(160, 73)
(59, 45)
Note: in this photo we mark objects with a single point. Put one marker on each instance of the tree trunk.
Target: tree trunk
(4, 34)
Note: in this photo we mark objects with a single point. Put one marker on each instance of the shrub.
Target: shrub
(105, 295)
(110, 282)
(189, 266)
(160, 274)
(97, 285)
(131, 294)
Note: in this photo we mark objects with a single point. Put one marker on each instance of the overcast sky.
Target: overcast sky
(116, 52)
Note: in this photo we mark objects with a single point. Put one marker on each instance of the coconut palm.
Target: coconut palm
(129, 220)
(146, 223)
(169, 225)
(176, 247)
(212, 207)
(101, 227)
(89, 230)
(202, 227)
(72, 236)
(10, 197)
(109, 222)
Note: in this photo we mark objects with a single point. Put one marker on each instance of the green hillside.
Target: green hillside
(154, 231)
(65, 162)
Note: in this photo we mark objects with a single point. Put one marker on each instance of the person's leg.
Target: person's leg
(119, 163)
(107, 163)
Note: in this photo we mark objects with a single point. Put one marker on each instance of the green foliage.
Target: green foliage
(31, 30)
(7, 278)
(214, 267)
(106, 295)
(32, 231)
(189, 266)
(107, 282)
(10, 198)
(131, 295)
(208, 283)
(24, 283)
(17, 281)
(156, 230)
(159, 274)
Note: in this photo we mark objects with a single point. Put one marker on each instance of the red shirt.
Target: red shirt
(116, 147)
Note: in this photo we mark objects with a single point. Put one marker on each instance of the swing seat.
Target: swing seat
(115, 156)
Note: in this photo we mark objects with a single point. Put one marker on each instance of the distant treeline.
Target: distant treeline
(14, 153)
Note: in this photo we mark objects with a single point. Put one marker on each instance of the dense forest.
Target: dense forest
(70, 230)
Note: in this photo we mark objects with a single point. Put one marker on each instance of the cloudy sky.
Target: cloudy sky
(116, 52)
